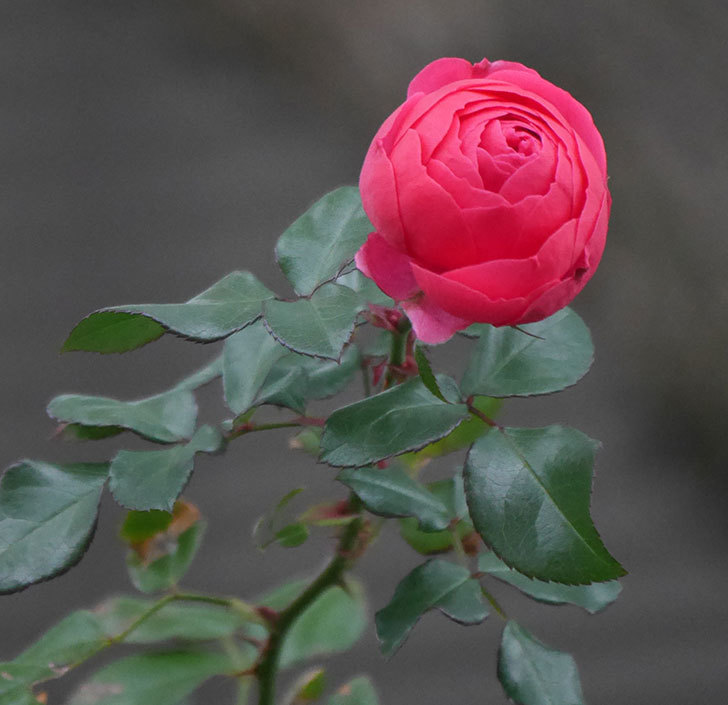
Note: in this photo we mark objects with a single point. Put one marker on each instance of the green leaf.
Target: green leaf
(532, 673)
(167, 417)
(428, 378)
(157, 574)
(296, 379)
(365, 287)
(162, 678)
(333, 623)
(434, 585)
(462, 436)
(139, 526)
(393, 493)
(319, 326)
(592, 598)
(248, 357)
(227, 306)
(325, 378)
(75, 638)
(451, 493)
(177, 620)
(309, 686)
(112, 332)
(153, 479)
(292, 535)
(403, 418)
(528, 491)
(508, 362)
(285, 385)
(47, 518)
(79, 432)
(358, 691)
(316, 247)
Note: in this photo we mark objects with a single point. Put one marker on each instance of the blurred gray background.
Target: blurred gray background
(148, 148)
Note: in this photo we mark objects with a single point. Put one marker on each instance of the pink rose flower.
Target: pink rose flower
(488, 191)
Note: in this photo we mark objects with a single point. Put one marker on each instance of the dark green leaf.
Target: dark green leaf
(248, 357)
(403, 418)
(315, 248)
(79, 432)
(227, 306)
(177, 620)
(531, 673)
(461, 436)
(435, 584)
(592, 598)
(393, 493)
(508, 362)
(328, 377)
(139, 526)
(319, 326)
(528, 491)
(47, 517)
(155, 574)
(452, 495)
(428, 378)
(165, 417)
(162, 678)
(292, 535)
(112, 332)
(359, 691)
(153, 479)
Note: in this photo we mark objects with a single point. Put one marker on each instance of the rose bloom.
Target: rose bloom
(488, 191)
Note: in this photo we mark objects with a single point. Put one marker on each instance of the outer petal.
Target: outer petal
(388, 267)
(519, 278)
(430, 323)
(462, 301)
(443, 71)
(379, 194)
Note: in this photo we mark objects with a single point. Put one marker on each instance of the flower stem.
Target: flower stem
(332, 575)
(397, 353)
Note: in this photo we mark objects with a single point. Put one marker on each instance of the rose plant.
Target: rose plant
(488, 197)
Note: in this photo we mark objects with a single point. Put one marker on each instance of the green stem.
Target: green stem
(494, 603)
(457, 543)
(332, 575)
(295, 423)
(397, 353)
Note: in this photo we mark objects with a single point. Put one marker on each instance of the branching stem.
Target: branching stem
(267, 670)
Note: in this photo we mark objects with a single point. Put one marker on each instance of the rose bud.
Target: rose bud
(488, 191)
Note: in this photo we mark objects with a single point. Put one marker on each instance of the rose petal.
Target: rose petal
(430, 323)
(379, 194)
(519, 278)
(434, 229)
(388, 267)
(443, 71)
(462, 301)
(574, 112)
